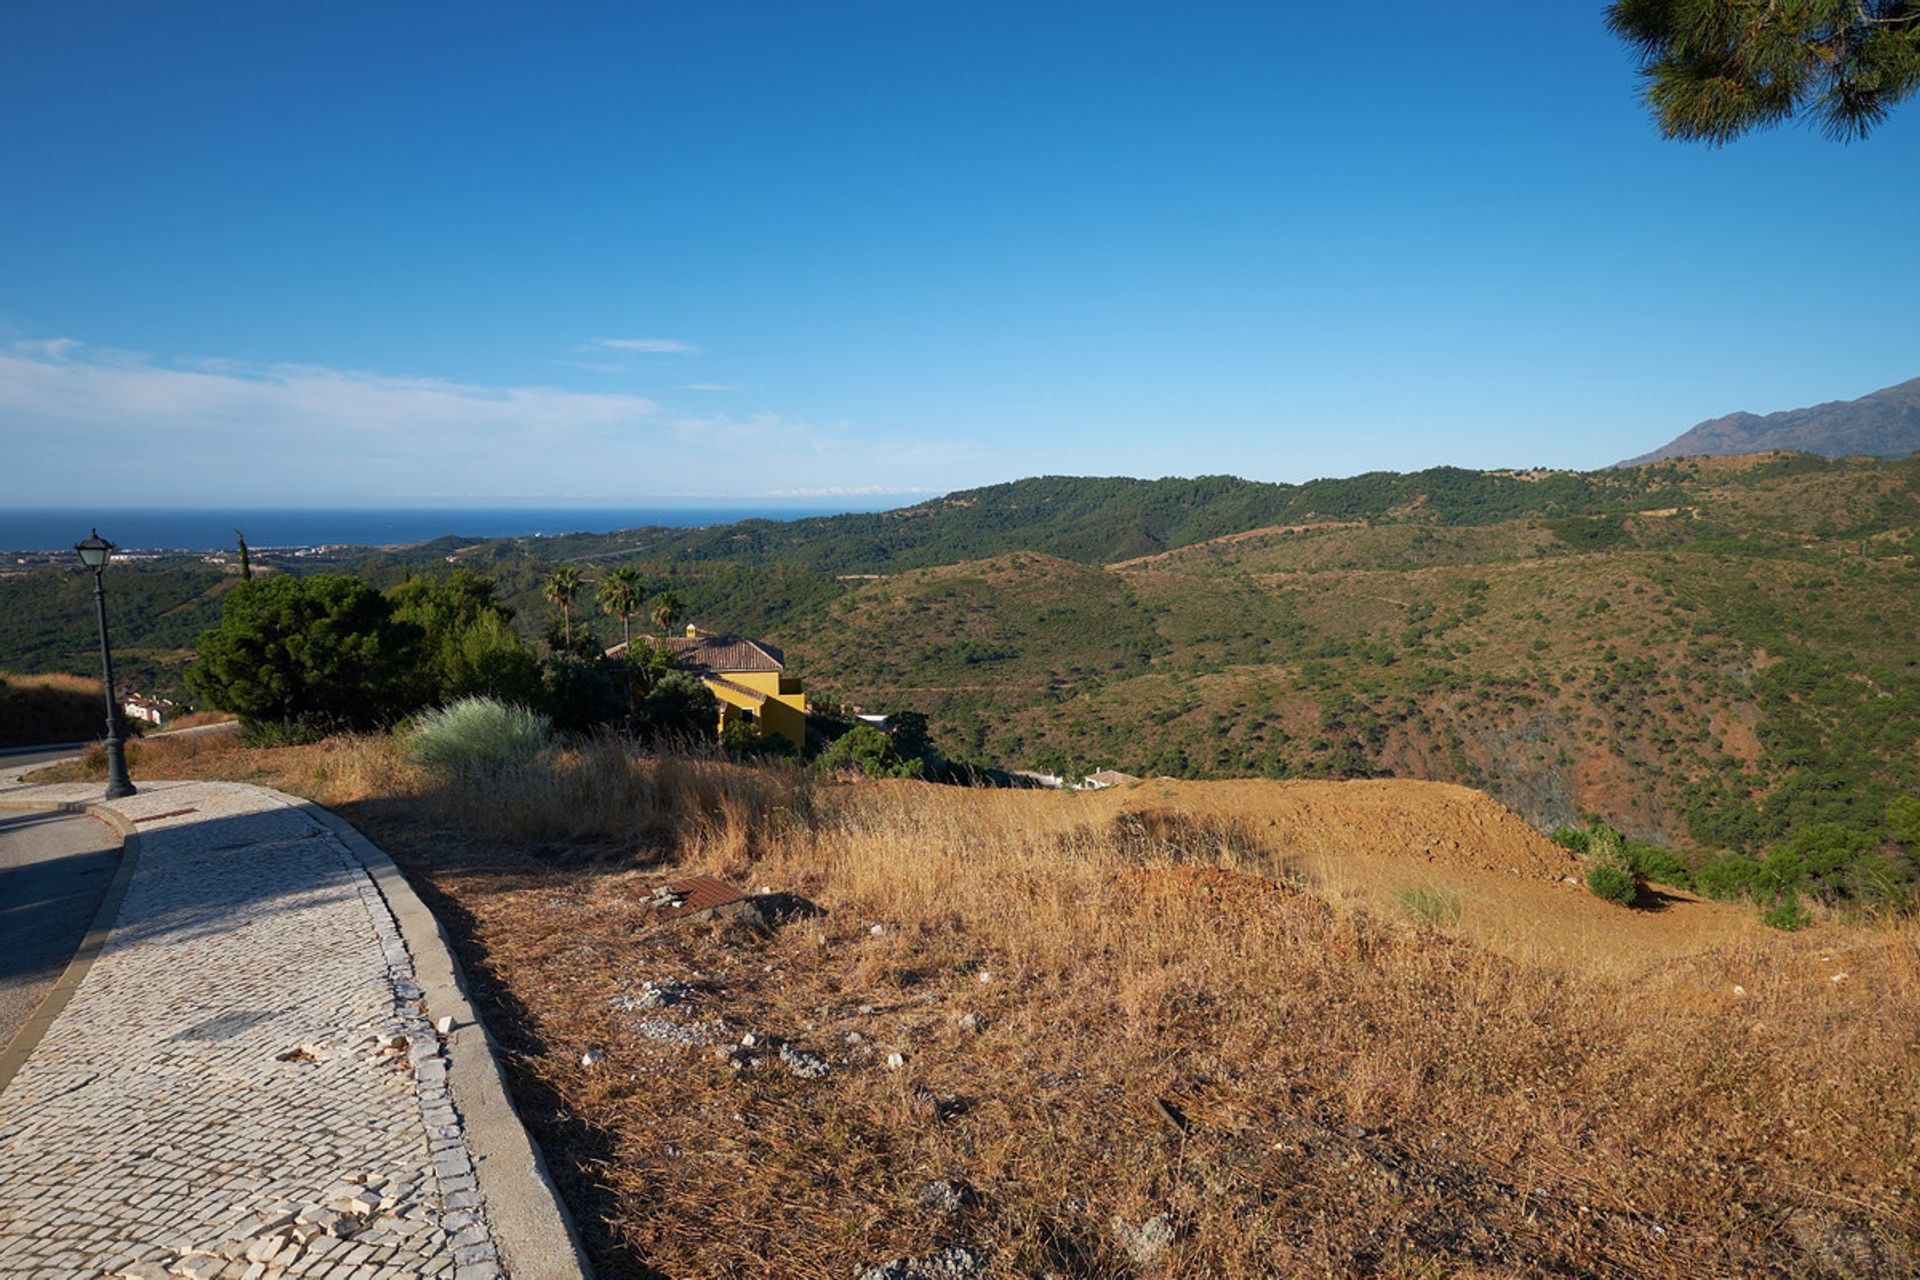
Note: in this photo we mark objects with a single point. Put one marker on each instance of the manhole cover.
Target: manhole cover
(227, 1025)
(701, 893)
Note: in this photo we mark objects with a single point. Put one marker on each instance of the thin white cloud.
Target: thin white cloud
(645, 346)
(208, 431)
(708, 386)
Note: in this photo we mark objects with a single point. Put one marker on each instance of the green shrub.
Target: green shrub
(323, 652)
(1652, 862)
(872, 752)
(1786, 914)
(1433, 907)
(478, 736)
(1729, 878)
(1574, 838)
(1613, 883)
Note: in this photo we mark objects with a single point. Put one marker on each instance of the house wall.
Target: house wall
(784, 710)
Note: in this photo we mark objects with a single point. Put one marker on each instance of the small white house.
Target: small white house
(139, 706)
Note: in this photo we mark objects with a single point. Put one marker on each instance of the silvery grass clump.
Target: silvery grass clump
(479, 737)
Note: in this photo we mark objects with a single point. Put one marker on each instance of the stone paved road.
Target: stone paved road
(53, 869)
(244, 1084)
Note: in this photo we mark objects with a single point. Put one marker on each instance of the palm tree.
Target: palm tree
(667, 612)
(562, 588)
(622, 595)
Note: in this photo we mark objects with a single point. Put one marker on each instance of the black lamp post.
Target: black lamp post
(94, 553)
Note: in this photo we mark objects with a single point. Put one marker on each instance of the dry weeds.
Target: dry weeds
(1114, 1007)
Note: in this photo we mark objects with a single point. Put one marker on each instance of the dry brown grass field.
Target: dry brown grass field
(49, 708)
(1309, 1028)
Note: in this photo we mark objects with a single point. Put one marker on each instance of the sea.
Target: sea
(211, 529)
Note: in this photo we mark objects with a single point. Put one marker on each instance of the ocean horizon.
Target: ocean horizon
(266, 529)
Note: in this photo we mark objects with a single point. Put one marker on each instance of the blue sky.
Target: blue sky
(406, 253)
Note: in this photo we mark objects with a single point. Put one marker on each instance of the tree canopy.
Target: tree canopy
(1716, 69)
(323, 652)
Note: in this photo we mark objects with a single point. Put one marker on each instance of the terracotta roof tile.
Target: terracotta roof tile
(725, 653)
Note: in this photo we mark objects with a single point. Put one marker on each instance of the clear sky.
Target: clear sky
(393, 253)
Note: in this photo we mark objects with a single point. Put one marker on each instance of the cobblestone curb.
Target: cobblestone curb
(535, 1234)
(141, 1138)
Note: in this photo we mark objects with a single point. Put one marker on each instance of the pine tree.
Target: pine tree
(1716, 69)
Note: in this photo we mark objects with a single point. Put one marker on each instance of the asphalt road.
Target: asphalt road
(54, 868)
(26, 757)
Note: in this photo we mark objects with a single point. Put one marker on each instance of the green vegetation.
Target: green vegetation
(1432, 907)
(866, 749)
(1715, 70)
(321, 653)
(476, 737)
(1612, 882)
(1713, 655)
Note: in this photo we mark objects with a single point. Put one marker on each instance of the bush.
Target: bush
(1652, 862)
(1730, 878)
(872, 752)
(679, 707)
(1613, 883)
(1786, 914)
(1432, 907)
(478, 736)
(582, 694)
(322, 652)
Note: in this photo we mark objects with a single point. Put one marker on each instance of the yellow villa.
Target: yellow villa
(747, 677)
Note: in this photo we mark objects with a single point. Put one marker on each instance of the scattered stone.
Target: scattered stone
(808, 1066)
(1739, 990)
(955, 1263)
(865, 1009)
(984, 976)
(968, 1021)
(445, 1025)
(876, 929)
(689, 1035)
(749, 1040)
(896, 1060)
(947, 1196)
(1838, 977)
(1147, 1243)
(668, 994)
(854, 1037)
(592, 1058)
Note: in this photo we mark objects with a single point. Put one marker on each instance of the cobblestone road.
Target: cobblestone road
(244, 1085)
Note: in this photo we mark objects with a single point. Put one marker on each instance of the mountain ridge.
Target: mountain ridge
(1881, 424)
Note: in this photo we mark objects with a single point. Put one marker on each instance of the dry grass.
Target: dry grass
(49, 708)
(1174, 1011)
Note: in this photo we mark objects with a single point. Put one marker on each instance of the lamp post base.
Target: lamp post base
(118, 783)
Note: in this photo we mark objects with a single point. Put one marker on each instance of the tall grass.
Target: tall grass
(49, 708)
(479, 738)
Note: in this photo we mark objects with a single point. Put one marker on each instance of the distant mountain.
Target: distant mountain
(1885, 424)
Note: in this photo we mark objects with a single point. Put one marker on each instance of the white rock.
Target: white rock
(984, 976)
(592, 1058)
(876, 928)
(445, 1025)
(896, 1060)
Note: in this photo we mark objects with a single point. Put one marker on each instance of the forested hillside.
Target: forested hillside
(1715, 651)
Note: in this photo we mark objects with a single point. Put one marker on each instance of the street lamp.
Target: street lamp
(94, 553)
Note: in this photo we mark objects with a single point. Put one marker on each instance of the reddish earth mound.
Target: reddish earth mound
(1437, 822)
